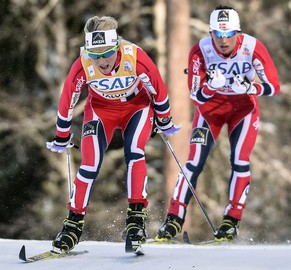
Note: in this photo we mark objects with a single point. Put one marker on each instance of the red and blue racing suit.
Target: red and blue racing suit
(117, 100)
(240, 112)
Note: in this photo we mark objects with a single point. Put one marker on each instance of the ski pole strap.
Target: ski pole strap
(158, 131)
(70, 144)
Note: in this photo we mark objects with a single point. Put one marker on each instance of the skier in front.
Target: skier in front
(125, 90)
(221, 73)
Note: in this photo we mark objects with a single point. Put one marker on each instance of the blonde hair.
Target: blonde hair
(100, 23)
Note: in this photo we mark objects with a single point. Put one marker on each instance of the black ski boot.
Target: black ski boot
(71, 233)
(228, 229)
(135, 223)
(171, 227)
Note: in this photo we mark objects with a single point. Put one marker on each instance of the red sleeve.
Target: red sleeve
(196, 67)
(266, 71)
(197, 76)
(161, 99)
(73, 85)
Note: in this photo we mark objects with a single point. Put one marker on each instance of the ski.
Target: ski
(167, 242)
(47, 255)
(133, 247)
(222, 242)
(187, 241)
(175, 242)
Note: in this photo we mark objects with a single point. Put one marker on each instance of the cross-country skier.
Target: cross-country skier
(221, 79)
(125, 90)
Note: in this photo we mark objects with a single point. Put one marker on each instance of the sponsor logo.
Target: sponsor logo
(262, 75)
(91, 71)
(195, 84)
(258, 64)
(196, 65)
(98, 38)
(113, 84)
(223, 16)
(246, 51)
(74, 100)
(229, 68)
(90, 128)
(199, 136)
(116, 95)
(127, 66)
(80, 83)
(128, 49)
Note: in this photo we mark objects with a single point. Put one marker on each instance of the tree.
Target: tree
(178, 46)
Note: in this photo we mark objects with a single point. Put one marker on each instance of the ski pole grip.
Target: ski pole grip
(70, 144)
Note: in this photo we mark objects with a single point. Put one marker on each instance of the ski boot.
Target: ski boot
(135, 233)
(70, 234)
(171, 227)
(135, 226)
(228, 229)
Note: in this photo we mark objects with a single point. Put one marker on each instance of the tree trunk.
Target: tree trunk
(178, 45)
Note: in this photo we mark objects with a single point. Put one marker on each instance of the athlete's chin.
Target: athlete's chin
(104, 69)
(224, 49)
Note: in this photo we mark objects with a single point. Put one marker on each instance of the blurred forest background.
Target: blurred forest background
(40, 39)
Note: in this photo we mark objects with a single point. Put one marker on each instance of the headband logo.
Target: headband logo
(223, 16)
(98, 38)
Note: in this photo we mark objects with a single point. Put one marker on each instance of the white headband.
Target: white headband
(98, 39)
(224, 20)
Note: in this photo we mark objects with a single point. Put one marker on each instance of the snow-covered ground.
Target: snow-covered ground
(109, 256)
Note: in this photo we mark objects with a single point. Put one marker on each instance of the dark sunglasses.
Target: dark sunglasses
(222, 34)
(108, 53)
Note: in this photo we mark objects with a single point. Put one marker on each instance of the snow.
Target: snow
(108, 256)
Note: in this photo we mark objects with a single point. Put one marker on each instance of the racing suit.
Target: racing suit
(119, 100)
(214, 109)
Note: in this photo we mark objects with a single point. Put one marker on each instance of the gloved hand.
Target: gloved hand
(242, 86)
(215, 79)
(167, 126)
(59, 144)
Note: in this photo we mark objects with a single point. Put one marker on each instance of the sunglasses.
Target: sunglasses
(108, 53)
(222, 34)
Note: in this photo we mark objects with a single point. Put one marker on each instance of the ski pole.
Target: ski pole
(68, 152)
(192, 189)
